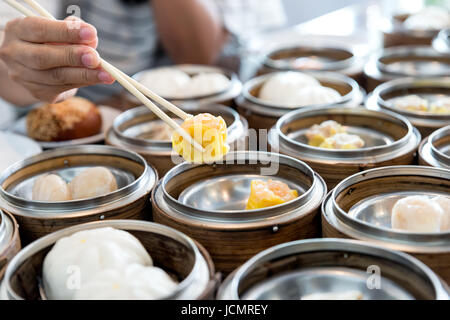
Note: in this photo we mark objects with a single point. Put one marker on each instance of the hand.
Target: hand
(51, 59)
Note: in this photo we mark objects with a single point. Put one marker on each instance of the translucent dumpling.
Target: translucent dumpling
(315, 95)
(283, 88)
(411, 103)
(51, 188)
(93, 182)
(135, 282)
(166, 82)
(343, 141)
(319, 132)
(209, 131)
(79, 258)
(419, 214)
(429, 18)
(204, 84)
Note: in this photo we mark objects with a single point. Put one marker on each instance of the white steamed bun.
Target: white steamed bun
(91, 252)
(430, 18)
(135, 282)
(204, 84)
(283, 88)
(314, 95)
(166, 82)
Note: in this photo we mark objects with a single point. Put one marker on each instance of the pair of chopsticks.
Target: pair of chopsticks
(134, 87)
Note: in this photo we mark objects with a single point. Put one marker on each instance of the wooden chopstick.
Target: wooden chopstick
(127, 82)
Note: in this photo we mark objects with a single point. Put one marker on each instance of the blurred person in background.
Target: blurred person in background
(48, 61)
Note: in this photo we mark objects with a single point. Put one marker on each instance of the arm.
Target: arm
(191, 30)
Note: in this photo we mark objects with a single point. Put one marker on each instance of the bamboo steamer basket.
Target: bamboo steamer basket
(134, 177)
(263, 115)
(131, 131)
(396, 34)
(207, 203)
(312, 57)
(429, 88)
(9, 240)
(174, 252)
(359, 208)
(225, 97)
(435, 150)
(390, 139)
(293, 270)
(405, 61)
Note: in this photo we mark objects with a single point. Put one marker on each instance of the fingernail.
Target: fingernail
(105, 77)
(88, 60)
(87, 34)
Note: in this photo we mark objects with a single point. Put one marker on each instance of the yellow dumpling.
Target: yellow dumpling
(269, 193)
(343, 141)
(209, 131)
(318, 133)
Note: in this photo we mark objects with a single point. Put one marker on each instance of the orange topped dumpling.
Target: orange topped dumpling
(269, 193)
(209, 131)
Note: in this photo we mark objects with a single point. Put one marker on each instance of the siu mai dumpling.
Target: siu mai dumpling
(50, 188)
(343, 141)
(269, 193)
(93, 182)
(345, 295)
(318, 133)
(80, 257)
(135, 282)
(209, 131)
(419, 214)
(283, 88)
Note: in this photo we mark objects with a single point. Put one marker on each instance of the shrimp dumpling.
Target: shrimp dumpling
(419, 214)
(444, 202)
(209, 131)
(135, 282)
(51, 188)
(441, 106)
(204, 84)
(80, 257)
(283, 88)
(316, 95)
(343, 141)
(167, 82)
(318, 133)
(93, 182)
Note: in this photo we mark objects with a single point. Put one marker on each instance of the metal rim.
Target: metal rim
(396, 26)
(311, 245)
(231, 92)
(6, 231)
(66, 209)
(134, 113)
(387, 233)
(245, 215)
(435, 136)
(331, 66)
(134, 225)
(411, 137)
(260, 106)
